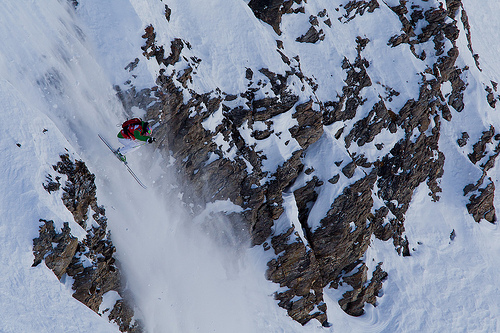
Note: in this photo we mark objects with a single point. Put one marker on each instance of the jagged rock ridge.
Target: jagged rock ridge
(89, 262)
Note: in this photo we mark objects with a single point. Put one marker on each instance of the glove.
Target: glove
(151, 140)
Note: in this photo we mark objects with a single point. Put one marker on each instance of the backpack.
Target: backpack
(133, 121)
(127, 124)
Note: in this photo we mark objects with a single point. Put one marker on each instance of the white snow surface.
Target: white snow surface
(57, 71)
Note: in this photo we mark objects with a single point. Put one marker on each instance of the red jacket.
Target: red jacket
(133, 132)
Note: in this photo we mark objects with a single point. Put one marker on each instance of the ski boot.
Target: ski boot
(121, 156)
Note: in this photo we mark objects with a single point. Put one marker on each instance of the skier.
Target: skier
(134, 133)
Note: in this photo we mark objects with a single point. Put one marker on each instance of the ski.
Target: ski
(135, 176)
(114, 151)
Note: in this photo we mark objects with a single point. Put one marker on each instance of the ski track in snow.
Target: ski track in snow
(57, 69)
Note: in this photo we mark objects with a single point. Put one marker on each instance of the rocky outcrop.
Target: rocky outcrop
(352, 302)
(56, 258)
(270, 11)
(481, 206)
(356, 80)
(481, 200)
(90, 262)
(358, 7)
(311, 36)
(298, 270)
(79, 191)
(224, 162)
(335, 244)
(465, 22)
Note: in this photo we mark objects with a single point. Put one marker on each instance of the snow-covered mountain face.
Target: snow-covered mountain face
(351, 144)
(336, 113)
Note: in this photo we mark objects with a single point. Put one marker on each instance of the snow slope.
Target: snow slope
(57, 70)
(183, 282)
(33, 300)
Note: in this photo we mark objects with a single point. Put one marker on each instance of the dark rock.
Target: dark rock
(405, 247)
(345, 108)
(122, 315)
(74, 3)
(334, 179)
(313, 20)
(176, 47)
(267, 108)
(352, 302)
(249, 74)
(481, 203)
(463, 140)
(359, 7)
(305, 197)
(270, 11)
(465, 21)
(333, 243)
(79, 189)
(150, 36)
(278, 81)
(453, 235)
(185, 76)
(64, 254)
(383, 231)
(310, 127)
(482, 207)
(479, 147)
(51, 185)
(93, 282)
(437, 29)
(311, 36)
(152, 50)
(361, 44)
(491, 97)
(56, 258)
(132, 65)
(349, 169)
(168, 12)
(296, 268)
(453, 6)
(458, 87)
(366, 129)
(402, 173)
(261, 135)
